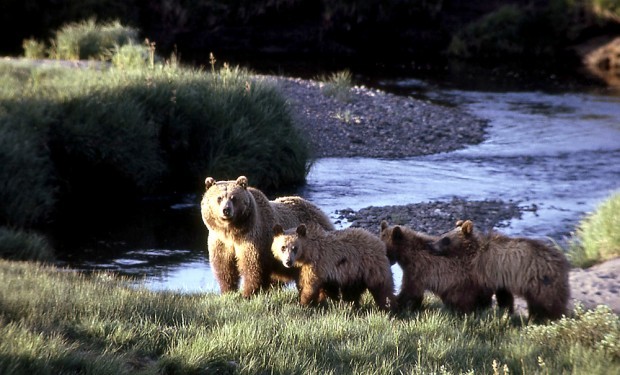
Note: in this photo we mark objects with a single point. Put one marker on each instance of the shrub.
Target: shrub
(497, 34)
(90, 40)
(21, 245)
(130, 56)
(34, 49)
(70, 134)
(597, 237)
(338, 85)
(598, 329)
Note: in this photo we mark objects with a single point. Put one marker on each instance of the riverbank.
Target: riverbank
(373, 123)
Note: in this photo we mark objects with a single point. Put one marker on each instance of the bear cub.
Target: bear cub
(352, 259)
(512, 266)
(423, 270)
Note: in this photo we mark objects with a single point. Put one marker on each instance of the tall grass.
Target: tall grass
(338, 85)
(21, 245)
(65, 322)
(597, 238)
(100, 135)
(90, 40)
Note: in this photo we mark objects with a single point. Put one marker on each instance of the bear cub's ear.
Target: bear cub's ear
(301, 230)
(278, 230)
(467, 228)
(397, 233)
(209, 181)
(384, 225)
(242, 181)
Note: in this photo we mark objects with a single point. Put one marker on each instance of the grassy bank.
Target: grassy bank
(597, 238)
(64, 322)
(68, 135)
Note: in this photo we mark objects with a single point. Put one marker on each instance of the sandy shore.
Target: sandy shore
(597, 285)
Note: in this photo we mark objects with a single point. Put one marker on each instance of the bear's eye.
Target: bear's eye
(283, 249)
(219, 199)
(232, 198)
(294, 249)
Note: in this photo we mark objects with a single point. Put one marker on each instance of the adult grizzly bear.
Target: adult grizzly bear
(422, 270)
(522, 266)
(352, 259)
(240, 221)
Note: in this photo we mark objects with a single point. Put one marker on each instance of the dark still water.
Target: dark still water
(559, 151)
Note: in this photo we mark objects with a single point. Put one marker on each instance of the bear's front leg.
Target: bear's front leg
(223, 264)
(411, 294)
(310, 288)
(254, 270)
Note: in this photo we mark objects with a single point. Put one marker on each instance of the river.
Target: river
(558, 152)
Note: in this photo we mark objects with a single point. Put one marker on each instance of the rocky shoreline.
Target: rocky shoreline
(377, 124)
(373, 123)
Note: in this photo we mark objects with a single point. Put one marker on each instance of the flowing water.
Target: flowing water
(559, 153)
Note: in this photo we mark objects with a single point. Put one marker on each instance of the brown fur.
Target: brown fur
(353, 259)
(521, 266)
(240, 221)
(444, 276)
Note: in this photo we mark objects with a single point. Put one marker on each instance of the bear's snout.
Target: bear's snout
(227, 210)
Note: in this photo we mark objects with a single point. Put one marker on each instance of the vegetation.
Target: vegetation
(90, 40)
(126, 125)
(338, 85)
(597, 238)
(22, 245)
(66, 322)
(417, 29)
(523, 31)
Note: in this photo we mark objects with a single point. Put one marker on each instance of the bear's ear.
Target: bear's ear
(242, 181)
(397, 233)
(384, 224)
(467, 228)
(209, 181)
(301, 230)
(459, 223)
(278, 230)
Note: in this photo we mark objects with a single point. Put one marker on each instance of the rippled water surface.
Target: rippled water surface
(560, 152)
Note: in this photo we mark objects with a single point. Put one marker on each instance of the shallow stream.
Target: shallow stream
(557, 153)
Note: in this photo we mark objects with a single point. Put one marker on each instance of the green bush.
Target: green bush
(70, 134)
(21, 245)
(90, 40)
(338, 85)
(34, 49)
(597, 238)
(497, 34)
(130, 56)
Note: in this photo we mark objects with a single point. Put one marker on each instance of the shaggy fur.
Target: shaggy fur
(521, 266)
(444, 276)
(240, 221)
(352, 259)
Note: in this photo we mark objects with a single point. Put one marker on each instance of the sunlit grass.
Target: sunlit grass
(54, 321)
(338, 85)
(597, 237)
(68, 135)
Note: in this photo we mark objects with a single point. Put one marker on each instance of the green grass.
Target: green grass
(55, 321)
(70, 134)
(22, 245)
(597, 238)
(89, 39)
(338, 85)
